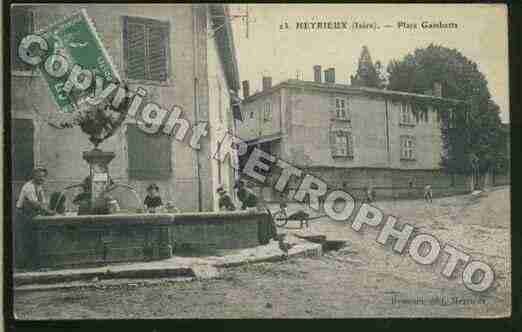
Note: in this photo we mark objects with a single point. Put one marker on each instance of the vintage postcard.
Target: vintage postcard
(258, 161)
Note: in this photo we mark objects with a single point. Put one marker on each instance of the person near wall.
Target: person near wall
(247, 198)
(370, 194)
(83, 199)
(31, 203)
(152, 201)
(225, 202)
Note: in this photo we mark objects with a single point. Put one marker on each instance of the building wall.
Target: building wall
(60, 150)
(256, 126)
(308, 115)
(221, 120)
(311, 117)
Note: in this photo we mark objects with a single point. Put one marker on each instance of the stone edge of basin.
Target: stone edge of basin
(144, 218)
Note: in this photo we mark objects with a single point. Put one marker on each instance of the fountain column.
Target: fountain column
(98, 161)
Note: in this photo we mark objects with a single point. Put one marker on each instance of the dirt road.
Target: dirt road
(364, 279)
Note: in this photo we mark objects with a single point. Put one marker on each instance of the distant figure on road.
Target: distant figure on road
(369, 194)
(428, 195)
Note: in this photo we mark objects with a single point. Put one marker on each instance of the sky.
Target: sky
(481, 36)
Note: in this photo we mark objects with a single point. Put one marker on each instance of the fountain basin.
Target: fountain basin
(64, 241)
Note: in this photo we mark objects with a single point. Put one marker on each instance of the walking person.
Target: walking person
(31, 203)
(428, 194)
(369, 194)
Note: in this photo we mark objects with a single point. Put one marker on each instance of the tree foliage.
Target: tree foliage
(477, 132)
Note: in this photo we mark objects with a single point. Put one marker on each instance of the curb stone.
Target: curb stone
(46, 280)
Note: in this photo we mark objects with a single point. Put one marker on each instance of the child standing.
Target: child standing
(152, 200)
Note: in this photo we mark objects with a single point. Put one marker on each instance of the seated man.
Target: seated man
(31, 203)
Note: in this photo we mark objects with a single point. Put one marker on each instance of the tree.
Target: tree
(477, 132)
(368, 74)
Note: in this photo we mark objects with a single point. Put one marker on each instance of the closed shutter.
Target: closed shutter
(149, 155)
(21, 26)
(22, 133)
(350, 144)
(145, 47)
(157, 51)
(412, 138)
(333, 143)
(135, 47)
(403, 147)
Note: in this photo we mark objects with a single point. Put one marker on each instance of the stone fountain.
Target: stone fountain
(102, 236)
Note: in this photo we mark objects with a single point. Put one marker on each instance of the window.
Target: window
(251, 114)
(406, 114)
(21, 25)
(341, 142)
(149, 155)
(22, 148)
(267, 112)
(145, 44)
(407, 147)
(341, 108)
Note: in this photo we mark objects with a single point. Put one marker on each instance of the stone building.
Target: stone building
(353, 137)
(181, 54)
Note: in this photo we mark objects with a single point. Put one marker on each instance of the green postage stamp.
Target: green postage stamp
(74, 42)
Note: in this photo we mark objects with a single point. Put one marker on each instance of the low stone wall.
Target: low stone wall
(387, 183)
(89, 239)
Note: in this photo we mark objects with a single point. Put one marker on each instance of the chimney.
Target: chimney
(267, 82)
(437, 89)
(317, 74)
(246, 89)
(329, 75)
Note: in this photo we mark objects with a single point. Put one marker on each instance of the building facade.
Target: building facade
(181, 54)
(353, 137)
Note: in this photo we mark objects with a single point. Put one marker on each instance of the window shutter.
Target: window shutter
(348, 111)
(135, 47)
(157, 51)
(350, 144)
(333, 145)
(22, 148)
(403, 147)
(145, 46)
(412, 147)
(149, 155)
(21, 26)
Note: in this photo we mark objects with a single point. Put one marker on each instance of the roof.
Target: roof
(344, 88)
(225, 42)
